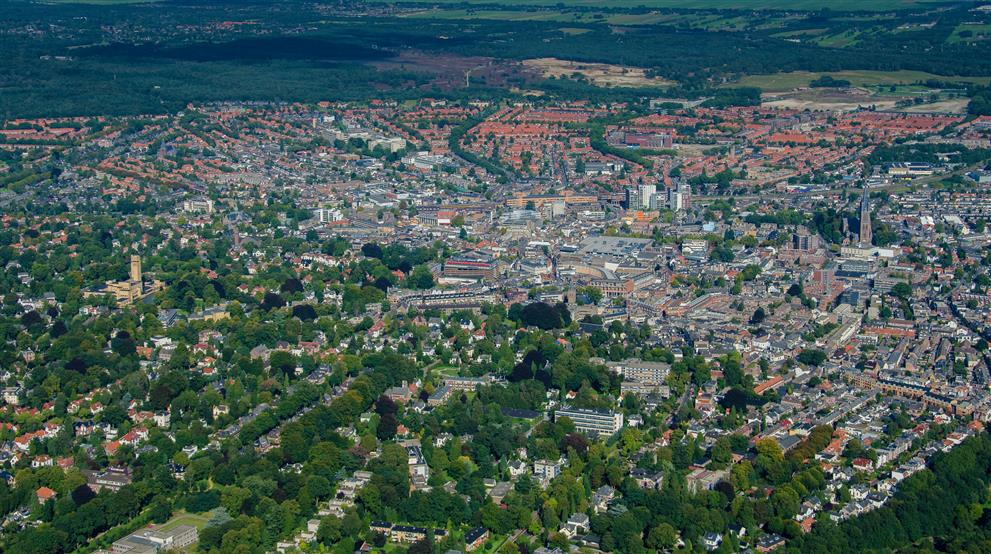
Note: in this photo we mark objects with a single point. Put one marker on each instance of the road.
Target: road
(516, 535)
(685, 396)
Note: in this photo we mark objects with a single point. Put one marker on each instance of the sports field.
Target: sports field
(183, 518)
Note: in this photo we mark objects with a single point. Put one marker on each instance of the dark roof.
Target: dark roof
(473, 534)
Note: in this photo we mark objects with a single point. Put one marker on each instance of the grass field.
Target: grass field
(183, 518)
(843, 5)
(801, 33)
(978, 32)
(840, 40)
(900, 91)
(781, 82)
(446, 371)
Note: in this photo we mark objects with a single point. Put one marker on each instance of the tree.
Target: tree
(740, 475)
(421, 547)
(291, 285)
(721, 451)
(272, 301)
(758, 316)
(769, 448)
(123, 344)
(630, 439)
(594, 294)
(812, 357)
(160, 510)
(785, 502)
(282, 362)
(294, 445)
(233, 499)
(421, 278)
(203, 501)
(329, 532)
(902, 291)
(304, 312)
(372, 250)
(387, 426)
(750, 272)
(544, 316)
(662, 537)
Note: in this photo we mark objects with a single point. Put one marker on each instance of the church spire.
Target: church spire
(866, 233)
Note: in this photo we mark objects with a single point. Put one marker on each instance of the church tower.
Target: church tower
(866, 233)
(136, 268)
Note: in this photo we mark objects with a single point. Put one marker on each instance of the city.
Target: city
(737, 320)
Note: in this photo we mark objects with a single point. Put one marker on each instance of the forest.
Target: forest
(943, 508)
(129, 59)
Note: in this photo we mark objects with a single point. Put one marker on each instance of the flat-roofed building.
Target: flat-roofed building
(412, 534)
(110, 479)
(153, 540)
(547, 470)
(467, 384)
(470, 267)
(634, 369)
(615, 247)
(593, 422)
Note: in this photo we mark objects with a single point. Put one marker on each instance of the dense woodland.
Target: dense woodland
(148, 66)
(942, 509)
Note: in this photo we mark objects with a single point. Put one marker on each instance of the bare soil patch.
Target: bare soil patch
(601, 74)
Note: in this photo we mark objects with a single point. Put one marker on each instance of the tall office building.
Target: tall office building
(804, 241)
(646, 191)
(866, 233)
(327, 215)
(680, 197)
(633, 198)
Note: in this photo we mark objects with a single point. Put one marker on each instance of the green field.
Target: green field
(980, 32)
(446, 371)
(183, 518)
(801, 33)
(841, 5)
(781, 82)
(840, 40)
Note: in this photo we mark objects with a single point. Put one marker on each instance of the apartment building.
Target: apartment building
(592, 422)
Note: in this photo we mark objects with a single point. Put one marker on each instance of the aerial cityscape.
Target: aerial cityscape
(495, 276)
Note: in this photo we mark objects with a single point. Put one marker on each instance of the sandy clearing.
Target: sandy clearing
(601, 74)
